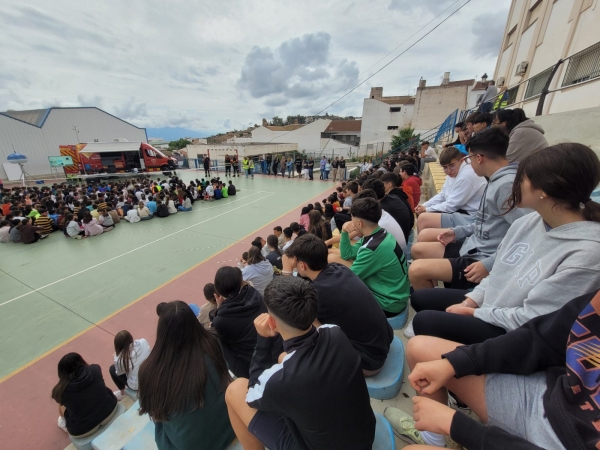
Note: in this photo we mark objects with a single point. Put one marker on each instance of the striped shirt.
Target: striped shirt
(45, 223)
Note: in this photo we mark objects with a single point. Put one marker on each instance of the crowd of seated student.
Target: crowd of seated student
(80, 210)
(302, 347)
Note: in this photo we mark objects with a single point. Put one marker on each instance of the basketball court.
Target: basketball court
(62, 295)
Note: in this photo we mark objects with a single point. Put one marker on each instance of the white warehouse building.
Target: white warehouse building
(38, 133)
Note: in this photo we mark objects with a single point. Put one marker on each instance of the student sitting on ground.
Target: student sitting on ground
(182, 384)
(458, 201)
(14, 234)
(231, 190)
(132, 216)
(218, 191)
(344, 300)
(187, 203)
(546, 256)
(106, 219)
(258, 270)
(171, 205)
(151, 205)
(376, 258)
(316, 397)
(204, 316)
(224, 190)
(29, 233)
(238, 304)
(85, 403)
(44, 221)
(464, 263)
(209, 193)
(92, 227)
(5, 231)
(73, 229)
(128, 357)
(535, 387)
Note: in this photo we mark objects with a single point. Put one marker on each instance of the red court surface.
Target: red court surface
(28, 415)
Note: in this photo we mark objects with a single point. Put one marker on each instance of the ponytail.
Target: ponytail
(591, 210)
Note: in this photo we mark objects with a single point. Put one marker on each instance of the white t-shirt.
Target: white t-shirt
(430, 153)
(140, 352)
(389, 224)
(133, 216)
(287, 245)
(210, 191)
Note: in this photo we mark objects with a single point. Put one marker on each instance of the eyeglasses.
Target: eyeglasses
(467, 158)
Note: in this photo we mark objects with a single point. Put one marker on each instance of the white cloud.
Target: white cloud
(210, 65)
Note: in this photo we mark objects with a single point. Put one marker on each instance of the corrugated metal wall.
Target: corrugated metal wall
(39, 143)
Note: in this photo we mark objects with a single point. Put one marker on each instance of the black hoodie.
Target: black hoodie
(395, 203)
(564, 344)
(88, 400)
(234, 323)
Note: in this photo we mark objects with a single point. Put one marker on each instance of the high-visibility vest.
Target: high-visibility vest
(501, 102)
(246, 164)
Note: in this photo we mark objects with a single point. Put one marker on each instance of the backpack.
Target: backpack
(162, 210)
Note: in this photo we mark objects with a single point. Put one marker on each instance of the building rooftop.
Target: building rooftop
(286, 127)
(344, 126)
(34, 117)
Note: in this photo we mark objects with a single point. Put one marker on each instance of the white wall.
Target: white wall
(434, 104)
(377, 117)
(39, 143)
(219, 151)
(522, 53)
(307, 138)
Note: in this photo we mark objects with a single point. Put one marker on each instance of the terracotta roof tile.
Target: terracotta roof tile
(343, 125)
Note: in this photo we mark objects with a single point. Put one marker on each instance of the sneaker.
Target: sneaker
(62, 424)
(403, 425)
(455, 405)
(119, 395)
(44, 236)
(409, 331)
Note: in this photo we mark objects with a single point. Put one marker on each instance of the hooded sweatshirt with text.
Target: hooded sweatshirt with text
(537, 271)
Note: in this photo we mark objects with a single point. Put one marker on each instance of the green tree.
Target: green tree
(179, 144)
(403, 137)
(277, 121)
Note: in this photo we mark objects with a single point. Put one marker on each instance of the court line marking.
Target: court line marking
(134, 250)
(110, 316)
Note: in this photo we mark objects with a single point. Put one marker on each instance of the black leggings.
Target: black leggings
(120, 380)
(433, 320)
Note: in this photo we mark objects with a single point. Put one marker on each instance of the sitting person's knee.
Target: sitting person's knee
(236, 390)
(418, 269)
(417, 251)
(417, 348)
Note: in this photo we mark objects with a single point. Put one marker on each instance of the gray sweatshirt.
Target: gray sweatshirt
(491, 224)
(538, 271)
(524, 139)
(260, 274)
(488, 96)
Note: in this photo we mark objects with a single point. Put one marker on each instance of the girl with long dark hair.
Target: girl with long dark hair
(85, 403)
(182, 384)
(274, 255)
(128, 357)
(317, 225)
(258, 270)
(525, 136)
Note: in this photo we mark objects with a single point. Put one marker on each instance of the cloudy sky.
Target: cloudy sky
(212, 66)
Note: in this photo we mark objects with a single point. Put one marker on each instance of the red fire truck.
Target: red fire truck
(115, 157)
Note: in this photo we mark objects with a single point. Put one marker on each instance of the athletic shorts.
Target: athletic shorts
(515, 404)
(459, 264)
(270, 428)
(456, 219)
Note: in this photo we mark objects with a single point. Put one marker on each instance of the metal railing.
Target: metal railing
(583, 66)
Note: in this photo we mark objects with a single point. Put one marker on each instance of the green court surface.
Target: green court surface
(53, 289)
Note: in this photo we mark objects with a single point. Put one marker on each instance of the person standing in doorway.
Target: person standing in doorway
(206, 163)
(227, 166)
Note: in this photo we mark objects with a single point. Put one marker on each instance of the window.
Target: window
(392, 127)
(537, 83)
(583, 66)
(510, 38)
(534, 13)
(395, 109)
(512, 95)
(150, 153)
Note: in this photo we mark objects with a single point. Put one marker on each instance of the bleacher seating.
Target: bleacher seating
(384, 435)
(133, 395)
(387, 383)
(398, 322)
(85, 443)
(122, 430)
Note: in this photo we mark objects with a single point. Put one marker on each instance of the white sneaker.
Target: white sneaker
(409, 331)
(62, 424)
(453, 403)
(119, 395)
